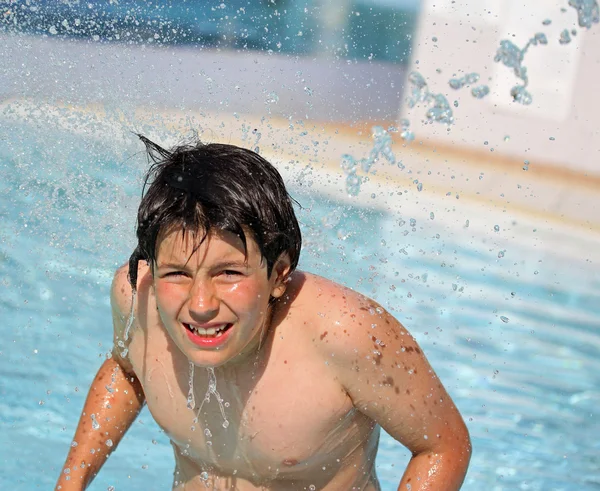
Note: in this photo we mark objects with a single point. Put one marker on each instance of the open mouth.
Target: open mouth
(211, 332)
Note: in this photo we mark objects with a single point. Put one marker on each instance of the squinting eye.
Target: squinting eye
(175, 273)
(230, 272)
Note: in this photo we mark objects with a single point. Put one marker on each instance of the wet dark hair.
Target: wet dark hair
(207, 187)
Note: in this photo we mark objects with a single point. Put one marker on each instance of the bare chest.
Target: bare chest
(278, 417)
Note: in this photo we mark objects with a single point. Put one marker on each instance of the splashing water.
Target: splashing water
(480, 92)
(382, 147)
(405, 133)
(122, 342)
(511, 56)
(565, 37)
(441, 112)
(521, 95)
(468, 79)
(212, 389)
(588, 12)
(191, 399)
(419, 90)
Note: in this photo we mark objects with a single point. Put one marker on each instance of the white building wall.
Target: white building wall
(561, 126)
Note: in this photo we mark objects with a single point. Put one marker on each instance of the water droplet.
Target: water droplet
(504, 319)
(204, 476)
(312, 487)
(565, 37)
(587, 12)
(109, 443)
(496, 228)
(95, 424)
(480, 92)
(521, 95)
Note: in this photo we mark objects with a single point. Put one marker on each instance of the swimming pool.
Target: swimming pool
(508, 317)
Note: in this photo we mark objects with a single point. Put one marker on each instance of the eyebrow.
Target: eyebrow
(222, 264)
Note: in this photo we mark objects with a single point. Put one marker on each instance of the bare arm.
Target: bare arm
(114, 400)
(388, 378)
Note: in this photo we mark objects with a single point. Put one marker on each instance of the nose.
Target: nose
(203, 301)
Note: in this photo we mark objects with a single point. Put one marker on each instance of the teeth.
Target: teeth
(211, 331)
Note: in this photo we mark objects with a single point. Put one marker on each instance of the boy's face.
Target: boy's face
(214, 301)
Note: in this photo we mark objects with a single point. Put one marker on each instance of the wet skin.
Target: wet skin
(308, 373)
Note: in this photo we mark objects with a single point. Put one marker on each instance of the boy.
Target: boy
(262, 376)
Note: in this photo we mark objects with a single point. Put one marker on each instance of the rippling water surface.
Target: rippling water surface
(512, 330)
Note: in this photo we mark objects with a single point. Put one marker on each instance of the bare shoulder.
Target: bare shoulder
(348, 316)
(121, 293)
(380, 366)
(122, 302)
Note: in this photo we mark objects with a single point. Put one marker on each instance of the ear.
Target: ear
(280, 275)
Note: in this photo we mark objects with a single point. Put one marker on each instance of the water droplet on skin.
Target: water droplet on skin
(95, 424)
(109, 443)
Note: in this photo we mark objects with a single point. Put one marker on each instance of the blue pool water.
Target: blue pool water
(514, 338)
